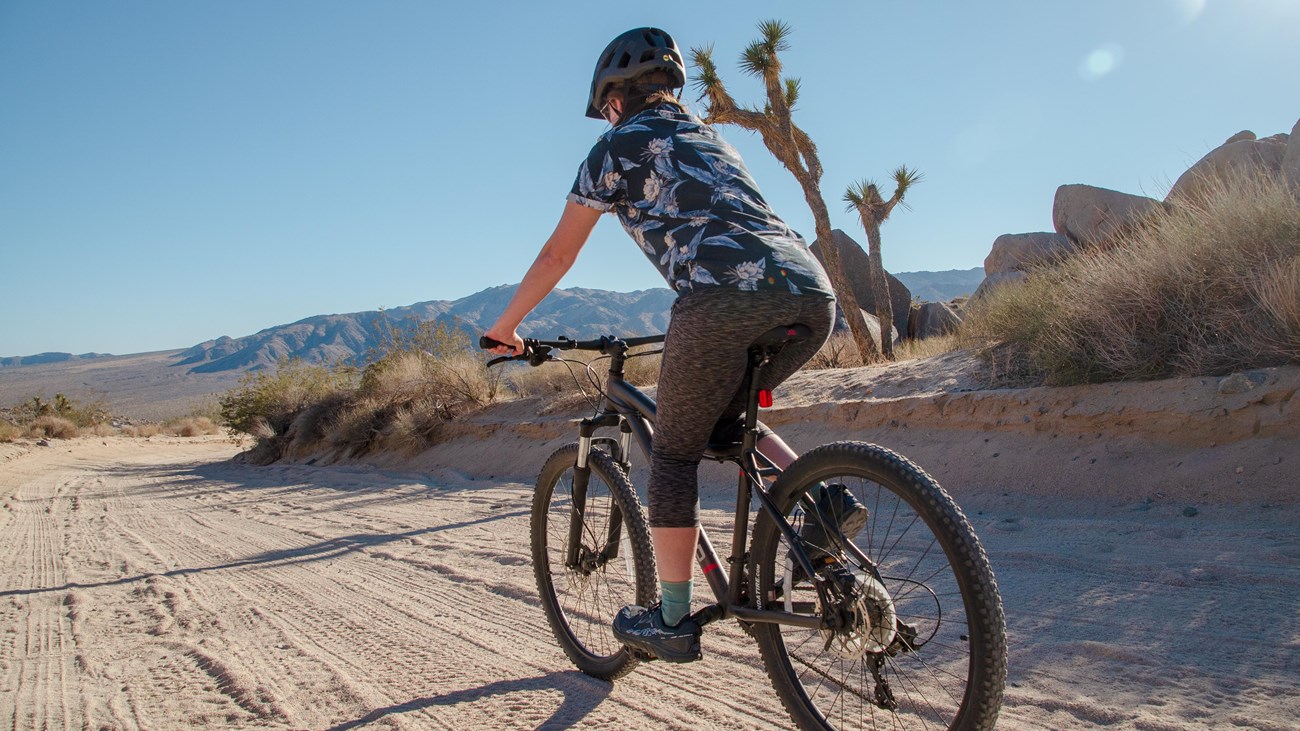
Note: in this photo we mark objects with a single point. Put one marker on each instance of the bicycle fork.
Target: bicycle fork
(574, 557)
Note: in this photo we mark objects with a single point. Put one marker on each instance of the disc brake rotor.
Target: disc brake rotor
(872, 621)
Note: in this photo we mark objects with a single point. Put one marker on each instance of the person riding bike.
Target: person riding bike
(686, 198)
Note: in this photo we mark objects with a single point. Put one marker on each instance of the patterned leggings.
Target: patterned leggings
(704, 363)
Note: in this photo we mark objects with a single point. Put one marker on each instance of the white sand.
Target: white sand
(157, 584)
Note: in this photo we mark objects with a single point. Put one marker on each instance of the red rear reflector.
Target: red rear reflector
(765, 399)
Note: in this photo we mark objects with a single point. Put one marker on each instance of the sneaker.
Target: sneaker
(643, 629)
(838, 503)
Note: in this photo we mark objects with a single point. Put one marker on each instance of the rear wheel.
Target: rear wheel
(591, 556)
(920, 639)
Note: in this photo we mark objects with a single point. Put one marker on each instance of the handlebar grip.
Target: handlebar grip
(486, 343)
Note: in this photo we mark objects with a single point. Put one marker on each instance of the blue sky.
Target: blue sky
(172, 172)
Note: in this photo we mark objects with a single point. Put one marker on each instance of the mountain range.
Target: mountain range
(577, 312)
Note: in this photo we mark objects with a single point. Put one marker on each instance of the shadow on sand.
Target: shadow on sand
(582, 694)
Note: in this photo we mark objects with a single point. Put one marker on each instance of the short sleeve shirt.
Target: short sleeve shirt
(685, 197)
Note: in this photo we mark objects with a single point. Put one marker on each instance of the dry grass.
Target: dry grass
(1205, 288)
(104, 430)
(54, 427)
(142, 430)
(9, 432)
(191, 426)
(927, 348)
(563, 379)
(839, 351)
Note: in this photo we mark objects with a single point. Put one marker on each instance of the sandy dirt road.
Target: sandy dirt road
(159, 585)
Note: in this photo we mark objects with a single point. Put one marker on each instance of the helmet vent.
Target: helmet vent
(624, 60)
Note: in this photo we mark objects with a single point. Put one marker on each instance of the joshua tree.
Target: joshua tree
(873, 209)
(788, 143)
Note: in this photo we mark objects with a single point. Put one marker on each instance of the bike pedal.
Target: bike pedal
(641, 655)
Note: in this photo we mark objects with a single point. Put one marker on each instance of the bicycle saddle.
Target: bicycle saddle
(782, 335)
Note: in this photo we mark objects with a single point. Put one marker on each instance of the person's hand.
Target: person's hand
(510, 337)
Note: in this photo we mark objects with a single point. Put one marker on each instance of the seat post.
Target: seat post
(758, 357)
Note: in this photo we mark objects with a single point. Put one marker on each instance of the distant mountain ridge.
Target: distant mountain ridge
(942, 286)
(576, 312)
(47, 358)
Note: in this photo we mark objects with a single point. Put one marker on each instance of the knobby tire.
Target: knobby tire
(580, 603)
(941, 584)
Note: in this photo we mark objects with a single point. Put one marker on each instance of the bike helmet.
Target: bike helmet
(631, 54)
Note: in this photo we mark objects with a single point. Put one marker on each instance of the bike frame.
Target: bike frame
(633, 412)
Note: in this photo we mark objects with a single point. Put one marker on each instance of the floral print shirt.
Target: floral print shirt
(685, 197)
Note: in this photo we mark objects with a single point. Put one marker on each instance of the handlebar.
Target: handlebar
(538, 351)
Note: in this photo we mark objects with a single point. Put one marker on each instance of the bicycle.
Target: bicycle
(902, 627)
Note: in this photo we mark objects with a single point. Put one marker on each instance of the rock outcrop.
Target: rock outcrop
(1097, 217)
(1022, 252)
(1085, 216)
(873, 327)
(1291, 160)
(931, 319)
(854, 260)
(1240, 157)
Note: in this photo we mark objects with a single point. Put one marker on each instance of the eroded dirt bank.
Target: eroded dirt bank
(1180, 440)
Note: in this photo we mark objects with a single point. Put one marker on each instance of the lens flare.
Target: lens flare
(1101, 62)
(1190, 10)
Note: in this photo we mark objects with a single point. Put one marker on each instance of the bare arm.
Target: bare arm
(552, 263)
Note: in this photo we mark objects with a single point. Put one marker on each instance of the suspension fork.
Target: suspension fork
(581, 479)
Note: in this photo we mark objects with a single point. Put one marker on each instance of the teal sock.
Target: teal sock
(675, 600)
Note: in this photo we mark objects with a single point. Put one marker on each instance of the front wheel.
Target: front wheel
(591, 556)
(915, 637)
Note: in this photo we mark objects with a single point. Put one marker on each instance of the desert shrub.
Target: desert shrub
(403, 398)
(270, 399)
(55, 427)
(1205, 287)
(9, 432)
(308, 429)
(79, 413)
(104, 430)
(190, 426)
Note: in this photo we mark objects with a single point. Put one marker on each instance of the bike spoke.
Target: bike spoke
(912, 582)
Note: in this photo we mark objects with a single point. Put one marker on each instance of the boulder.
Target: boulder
(1291, 160)
(873, 327)
(1245, 134)
(1237, 158)
(994, 281)
(931, 319)
(854, 260)
(1022, 252)
(1097, 217)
